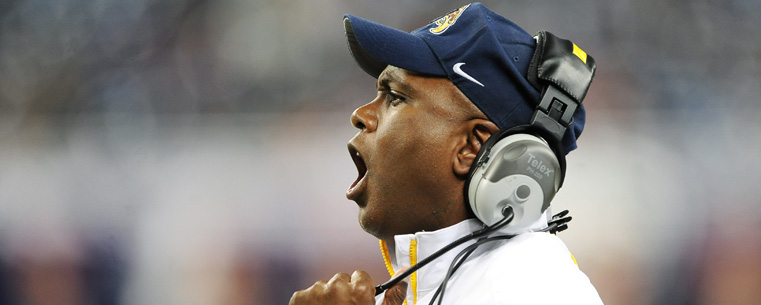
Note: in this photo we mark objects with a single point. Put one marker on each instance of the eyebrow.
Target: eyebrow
(387, 80)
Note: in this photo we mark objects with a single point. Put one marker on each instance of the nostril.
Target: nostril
(356, 121)
(363, 118)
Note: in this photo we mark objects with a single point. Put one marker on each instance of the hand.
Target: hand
(342, 289)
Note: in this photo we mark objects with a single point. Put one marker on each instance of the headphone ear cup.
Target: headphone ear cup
(518, 170)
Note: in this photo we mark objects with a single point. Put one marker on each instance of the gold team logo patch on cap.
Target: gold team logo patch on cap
(443, 23)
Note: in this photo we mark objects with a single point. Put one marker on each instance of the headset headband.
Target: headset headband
(563, 72)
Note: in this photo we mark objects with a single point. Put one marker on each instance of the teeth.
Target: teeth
(357, 154)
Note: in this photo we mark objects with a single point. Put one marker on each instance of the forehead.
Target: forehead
(440, 90)
(413, 81)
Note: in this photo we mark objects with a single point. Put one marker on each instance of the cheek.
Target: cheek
(410, 134)
(411, 153)
(402, 145)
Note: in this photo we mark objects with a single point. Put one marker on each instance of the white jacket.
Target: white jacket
(531, 268)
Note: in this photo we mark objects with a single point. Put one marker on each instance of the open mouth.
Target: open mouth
(356, 187)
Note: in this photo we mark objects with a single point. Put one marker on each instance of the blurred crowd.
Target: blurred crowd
(193, 151)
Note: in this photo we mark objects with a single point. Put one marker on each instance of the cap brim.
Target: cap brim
(375, 46)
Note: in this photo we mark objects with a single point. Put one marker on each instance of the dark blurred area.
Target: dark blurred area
(193, 151)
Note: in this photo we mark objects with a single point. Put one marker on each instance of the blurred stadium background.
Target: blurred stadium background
(193, 151)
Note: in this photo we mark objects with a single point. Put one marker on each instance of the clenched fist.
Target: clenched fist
(342, 289)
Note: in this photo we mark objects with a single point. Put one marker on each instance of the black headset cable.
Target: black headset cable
(508, 212)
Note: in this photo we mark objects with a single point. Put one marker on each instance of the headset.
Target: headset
(523, 167)
(518, 170)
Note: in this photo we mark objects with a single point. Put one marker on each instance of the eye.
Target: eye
(394, 99)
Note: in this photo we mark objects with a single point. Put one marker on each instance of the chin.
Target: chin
(370, 224)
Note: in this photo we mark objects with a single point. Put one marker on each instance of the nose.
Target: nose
(365, 118)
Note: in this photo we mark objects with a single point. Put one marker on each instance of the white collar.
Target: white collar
(409, 249)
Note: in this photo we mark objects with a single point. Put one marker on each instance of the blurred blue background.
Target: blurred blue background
(193, 151)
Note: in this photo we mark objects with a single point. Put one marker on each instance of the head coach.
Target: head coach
(459, 156)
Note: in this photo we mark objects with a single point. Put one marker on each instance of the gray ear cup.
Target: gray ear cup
(520, 171)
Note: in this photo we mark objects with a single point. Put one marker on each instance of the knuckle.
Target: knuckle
(319, 285)
(363, 288)
(318, 288)
(297, 297)
(340, 286)
(337, 286)
(341, 276)
(340, 280)
(362, 283)
(360, 276)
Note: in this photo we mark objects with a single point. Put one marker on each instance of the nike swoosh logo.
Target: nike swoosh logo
(459, 72)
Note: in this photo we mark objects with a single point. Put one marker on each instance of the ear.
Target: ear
(476, 132)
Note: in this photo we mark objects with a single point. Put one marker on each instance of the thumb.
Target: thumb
(396, 294)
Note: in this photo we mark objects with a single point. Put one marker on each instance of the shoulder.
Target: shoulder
(536, 268)
(532, 250)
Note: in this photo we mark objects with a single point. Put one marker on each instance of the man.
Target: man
(443, 90)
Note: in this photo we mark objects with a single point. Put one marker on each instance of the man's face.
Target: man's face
(404, 151)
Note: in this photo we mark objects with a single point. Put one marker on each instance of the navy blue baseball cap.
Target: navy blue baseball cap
(484, 54)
